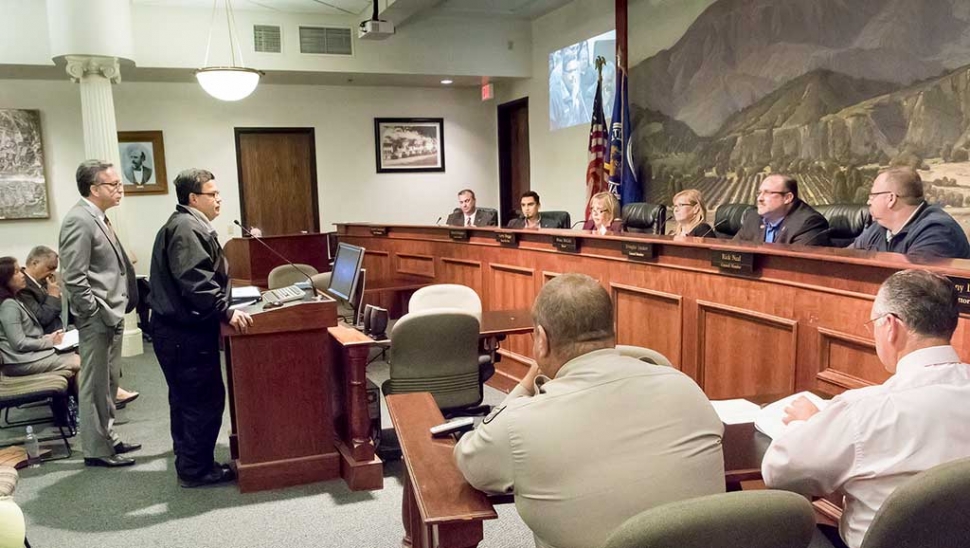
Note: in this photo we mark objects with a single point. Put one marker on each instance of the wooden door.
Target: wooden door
(278, 180)
(513, 150)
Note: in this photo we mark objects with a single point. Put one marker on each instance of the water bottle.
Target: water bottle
(33, 448)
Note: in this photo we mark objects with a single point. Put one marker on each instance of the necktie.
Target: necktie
(468, 221)
(111, 230)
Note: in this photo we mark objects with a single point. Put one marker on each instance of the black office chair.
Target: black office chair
(728, 219)
(561, 217)
(644, 218)
(846, 221)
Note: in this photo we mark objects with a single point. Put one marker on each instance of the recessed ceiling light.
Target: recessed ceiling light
(447, 82)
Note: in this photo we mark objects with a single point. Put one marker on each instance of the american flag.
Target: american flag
(596, 178)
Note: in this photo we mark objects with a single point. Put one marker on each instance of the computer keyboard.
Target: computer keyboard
(283, 295)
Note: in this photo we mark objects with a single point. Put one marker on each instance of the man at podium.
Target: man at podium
(189, 300)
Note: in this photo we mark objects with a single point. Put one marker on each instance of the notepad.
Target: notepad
(769, 419)
(738, 411)
(69, 342)
(245, 293)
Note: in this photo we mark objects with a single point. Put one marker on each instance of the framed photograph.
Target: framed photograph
(409, 144)
(23, 186)
(142, 162)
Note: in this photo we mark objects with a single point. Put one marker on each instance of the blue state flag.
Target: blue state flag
(623, 180)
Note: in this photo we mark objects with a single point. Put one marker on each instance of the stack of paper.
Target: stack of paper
(736, 411)
(69, 341)
(769, 420)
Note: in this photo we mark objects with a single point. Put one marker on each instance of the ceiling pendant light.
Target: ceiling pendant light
(230, 83)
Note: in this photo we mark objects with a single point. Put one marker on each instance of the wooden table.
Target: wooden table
(439, 504)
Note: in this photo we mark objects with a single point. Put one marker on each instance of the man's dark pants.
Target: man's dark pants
(189, 356)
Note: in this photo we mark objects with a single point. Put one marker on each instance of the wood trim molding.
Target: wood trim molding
(417, 260)
(377, 252)
(464, 262)
(653, 293)
(547, 275)
(512, 268)
(833, 376)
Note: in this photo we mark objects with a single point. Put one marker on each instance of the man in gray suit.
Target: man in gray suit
(100, 281)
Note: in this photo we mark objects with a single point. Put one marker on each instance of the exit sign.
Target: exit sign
(488, 92)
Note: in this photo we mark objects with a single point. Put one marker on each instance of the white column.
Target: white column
(96, 75)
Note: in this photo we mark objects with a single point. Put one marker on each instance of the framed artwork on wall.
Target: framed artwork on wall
(142, 162)
(409, 144)
(23, 185)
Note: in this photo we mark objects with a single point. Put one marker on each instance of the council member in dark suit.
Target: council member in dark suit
(690, 215)
(905, 223)
(101, 283)
(782, 217)
(41, 294)
(468, 213)
(189, 297)
(531, 216)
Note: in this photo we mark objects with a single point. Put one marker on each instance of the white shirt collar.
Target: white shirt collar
(199, 216)
(96, 209)
(924, 357)
(31, 277)
(889, 233)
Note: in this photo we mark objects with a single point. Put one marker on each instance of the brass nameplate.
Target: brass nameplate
(378, 231)
(733, 262)
(458, 235)
(637, 251)
(962, 285)
(507, 239)
(565, 243)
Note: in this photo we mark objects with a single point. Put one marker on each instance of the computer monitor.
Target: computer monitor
(346, 271)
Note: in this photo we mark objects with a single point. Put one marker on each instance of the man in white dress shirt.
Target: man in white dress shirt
(868, 442)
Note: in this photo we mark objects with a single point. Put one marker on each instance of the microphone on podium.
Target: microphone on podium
(577, 223)
(264, 244)
(438, 222)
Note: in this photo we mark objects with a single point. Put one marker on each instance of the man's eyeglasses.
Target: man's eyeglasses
(112, 186)
(778, 192)
(209, 194)
(869, 325)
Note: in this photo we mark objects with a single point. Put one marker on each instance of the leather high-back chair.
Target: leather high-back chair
(436, 350)
(644, 218)
(562, 218)
(728, 218)
(752, 519)
(930, 509)
(846, 221)
(286, 274)
(455, 296)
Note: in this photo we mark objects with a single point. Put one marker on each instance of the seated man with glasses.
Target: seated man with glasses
(905, 223)
(869, 441)
(782, 217)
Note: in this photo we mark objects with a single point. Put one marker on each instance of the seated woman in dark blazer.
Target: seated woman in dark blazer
(689, 215)
(603, 209)
(26, 350)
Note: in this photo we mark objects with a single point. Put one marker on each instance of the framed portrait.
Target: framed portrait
(142, 162)
(409, 144)
(23, 185)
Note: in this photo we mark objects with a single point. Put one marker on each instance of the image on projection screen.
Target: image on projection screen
(572, 80)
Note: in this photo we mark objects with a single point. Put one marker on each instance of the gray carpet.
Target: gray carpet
(66, 504)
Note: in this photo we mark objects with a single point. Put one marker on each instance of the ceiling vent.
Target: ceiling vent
(268, 38)
(326, 40)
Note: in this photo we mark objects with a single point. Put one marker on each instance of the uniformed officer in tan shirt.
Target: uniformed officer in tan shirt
(590, 438)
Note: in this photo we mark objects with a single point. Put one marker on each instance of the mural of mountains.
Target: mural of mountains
(739, 51)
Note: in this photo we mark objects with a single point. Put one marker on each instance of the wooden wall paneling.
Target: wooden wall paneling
(378, 263)
(845, 362)
(647, 318)
(413, 264)
(452, 270)
(513, 287)
(744, 353)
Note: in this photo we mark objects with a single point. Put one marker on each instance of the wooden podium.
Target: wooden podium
(280, 396)
(250, 263)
